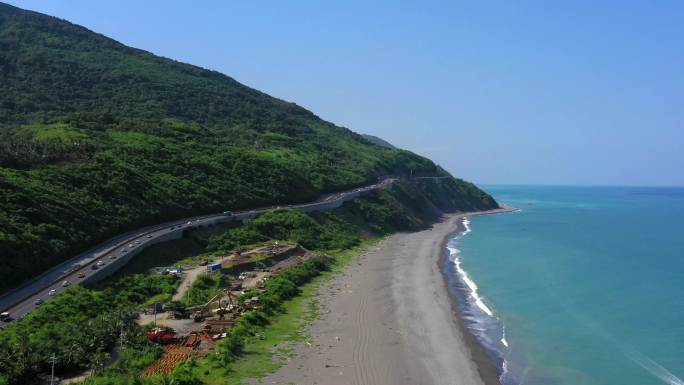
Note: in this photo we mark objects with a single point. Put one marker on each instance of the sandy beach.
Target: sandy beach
(387, 319)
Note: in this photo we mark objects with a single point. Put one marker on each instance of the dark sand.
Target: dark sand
(387, 319)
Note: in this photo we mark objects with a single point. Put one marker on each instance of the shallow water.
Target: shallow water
(584, 286)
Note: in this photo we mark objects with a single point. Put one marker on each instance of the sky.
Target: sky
(514, 92)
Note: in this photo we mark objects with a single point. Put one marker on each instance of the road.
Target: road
(88, 265)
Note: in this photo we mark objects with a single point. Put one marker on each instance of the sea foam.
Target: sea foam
(479, 317)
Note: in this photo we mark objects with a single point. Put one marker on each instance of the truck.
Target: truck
(212, 267)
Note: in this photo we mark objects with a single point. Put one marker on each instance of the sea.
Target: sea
(583, 285)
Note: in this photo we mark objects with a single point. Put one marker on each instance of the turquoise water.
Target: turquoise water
(585, 284)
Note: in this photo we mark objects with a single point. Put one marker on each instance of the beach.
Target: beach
(388, 319)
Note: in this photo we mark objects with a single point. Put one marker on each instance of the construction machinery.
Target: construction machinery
(223, 308)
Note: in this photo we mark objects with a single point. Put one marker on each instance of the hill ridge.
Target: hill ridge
(97, 138)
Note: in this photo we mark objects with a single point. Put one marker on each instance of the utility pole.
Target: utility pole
(53, 359)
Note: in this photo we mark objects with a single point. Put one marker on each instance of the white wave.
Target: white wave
(480, 326)
(466, 225)
(503, 337)
(465, 277)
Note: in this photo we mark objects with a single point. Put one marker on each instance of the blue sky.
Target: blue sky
(495, 91)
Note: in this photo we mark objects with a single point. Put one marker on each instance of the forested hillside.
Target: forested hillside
(97, 138)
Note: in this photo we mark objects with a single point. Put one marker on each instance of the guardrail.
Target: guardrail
(327, 203)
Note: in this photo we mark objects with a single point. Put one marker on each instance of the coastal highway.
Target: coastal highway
(86, 266)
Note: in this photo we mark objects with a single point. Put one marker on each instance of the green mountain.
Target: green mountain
(378, 141)
(97, 138)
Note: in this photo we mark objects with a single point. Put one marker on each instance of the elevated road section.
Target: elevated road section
(108, 257)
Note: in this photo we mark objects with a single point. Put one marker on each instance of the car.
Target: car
(137, 242)
(100, 263)
(112, 256)
(124, 251)
(66, 283)
(149, 236)
(52, 292)
(94, 267)
(38, 302)
(81, 275)
(189, 222)
(4, 315)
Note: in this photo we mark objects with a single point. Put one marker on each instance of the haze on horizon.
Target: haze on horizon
(530, 92)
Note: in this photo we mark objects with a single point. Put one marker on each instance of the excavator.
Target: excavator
(203, 311)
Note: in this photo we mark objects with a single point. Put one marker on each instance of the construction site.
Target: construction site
(192, 331)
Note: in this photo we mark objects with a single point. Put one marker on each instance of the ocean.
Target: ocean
(584, 285)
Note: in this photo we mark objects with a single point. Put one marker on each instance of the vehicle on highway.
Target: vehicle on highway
(227, 213)
(94, 267)
(5, 315)
(52, 292)
(38, 302)
(124, 250)
(112, 256)
(66, 283)
(131, 245)
(149, 236)
(189, 222)
(100, 263)
(81, 275)
(137, 242)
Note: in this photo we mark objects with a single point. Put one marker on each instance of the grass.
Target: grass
(270, 350)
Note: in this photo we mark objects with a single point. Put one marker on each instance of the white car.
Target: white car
(149, 236)
(131, 245)
(66, 283)
(52, 292)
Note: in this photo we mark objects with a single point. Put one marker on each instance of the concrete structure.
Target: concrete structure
(116, 252)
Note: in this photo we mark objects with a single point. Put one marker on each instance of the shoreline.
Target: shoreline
(388, 319)
(487, 369)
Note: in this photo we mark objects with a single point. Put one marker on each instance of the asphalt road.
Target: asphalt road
(24, 299)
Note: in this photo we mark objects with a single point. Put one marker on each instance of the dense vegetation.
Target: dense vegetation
(406, 206)
(80, 327)
(204, 288)
(277, 290)
(97, 138)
